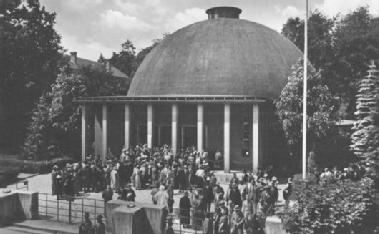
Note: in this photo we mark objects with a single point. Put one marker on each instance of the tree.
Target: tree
(55, 126)
(355, 42)
(319, 40)
(30, 55)
(125, 60)
(339, 49)
(320, 107)
(366, 128)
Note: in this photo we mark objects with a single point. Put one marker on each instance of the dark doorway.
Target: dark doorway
(189, 136)
(165, 135)
(142, 134)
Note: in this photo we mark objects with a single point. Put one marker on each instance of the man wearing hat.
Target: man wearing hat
(237, 221)
(86, 226)
(265, 200)
(54, 175)
(100, 226)
(185, 208)
(274, 194)
(251, 194)
(287, 191)
(224, 227)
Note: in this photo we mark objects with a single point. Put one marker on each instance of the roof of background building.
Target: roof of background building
(222, 56)
(81, 62)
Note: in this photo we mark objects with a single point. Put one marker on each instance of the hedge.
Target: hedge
(338, 206)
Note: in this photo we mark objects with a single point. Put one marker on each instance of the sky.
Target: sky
(91, 27)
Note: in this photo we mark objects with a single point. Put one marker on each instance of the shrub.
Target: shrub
(45, 166)
(339, 206)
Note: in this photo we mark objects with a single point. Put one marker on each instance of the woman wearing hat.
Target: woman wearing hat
(54, 175)
(224, 225)
(237, 221)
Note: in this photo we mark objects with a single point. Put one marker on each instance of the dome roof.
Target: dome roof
(222, 56)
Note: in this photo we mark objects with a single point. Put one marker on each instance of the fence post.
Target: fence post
(69, 210)
(57, 208)
(46, 205)
(82, 209)
(95, 210)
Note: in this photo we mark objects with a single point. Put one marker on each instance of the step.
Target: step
(25, 230)
(48, 226)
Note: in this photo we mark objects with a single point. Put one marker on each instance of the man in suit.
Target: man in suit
(250, 192)
(185, 207)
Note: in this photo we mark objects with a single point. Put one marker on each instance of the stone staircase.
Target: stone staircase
(44, 227)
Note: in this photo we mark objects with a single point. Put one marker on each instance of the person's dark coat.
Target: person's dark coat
(185, 207)
(235, 196)
(54, 182)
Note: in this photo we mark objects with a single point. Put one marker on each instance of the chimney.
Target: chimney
(223, 12)
(73, 57)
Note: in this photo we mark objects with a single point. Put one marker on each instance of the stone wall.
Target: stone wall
(143, 218)
(18, 206)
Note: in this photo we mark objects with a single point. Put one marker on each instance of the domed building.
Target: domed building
(208, 85)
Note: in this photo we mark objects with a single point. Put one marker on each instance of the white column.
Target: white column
(104, 132)
(149, 125)
(200, 127)
(83, 108)
(255, 136)
(127, 126)
(174, 128)
(227, 138)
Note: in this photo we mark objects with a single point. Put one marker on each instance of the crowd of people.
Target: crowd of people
(244, 204)
(141, 166)
(240, 207)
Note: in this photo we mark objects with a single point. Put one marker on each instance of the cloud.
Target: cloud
(289, 11)
(81, 5)
(184, 18)
(118, 20)
(333, 7)
(86, 48)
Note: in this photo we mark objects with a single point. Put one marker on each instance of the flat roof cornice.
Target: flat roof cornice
(172, 99)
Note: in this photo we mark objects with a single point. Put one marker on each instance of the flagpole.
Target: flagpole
(305, 69)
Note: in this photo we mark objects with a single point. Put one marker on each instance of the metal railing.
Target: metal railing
(69, 209)
(197, 223)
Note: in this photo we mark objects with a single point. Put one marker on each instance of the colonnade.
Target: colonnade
(174, 130)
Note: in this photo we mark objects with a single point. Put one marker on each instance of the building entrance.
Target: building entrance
(187, 135)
